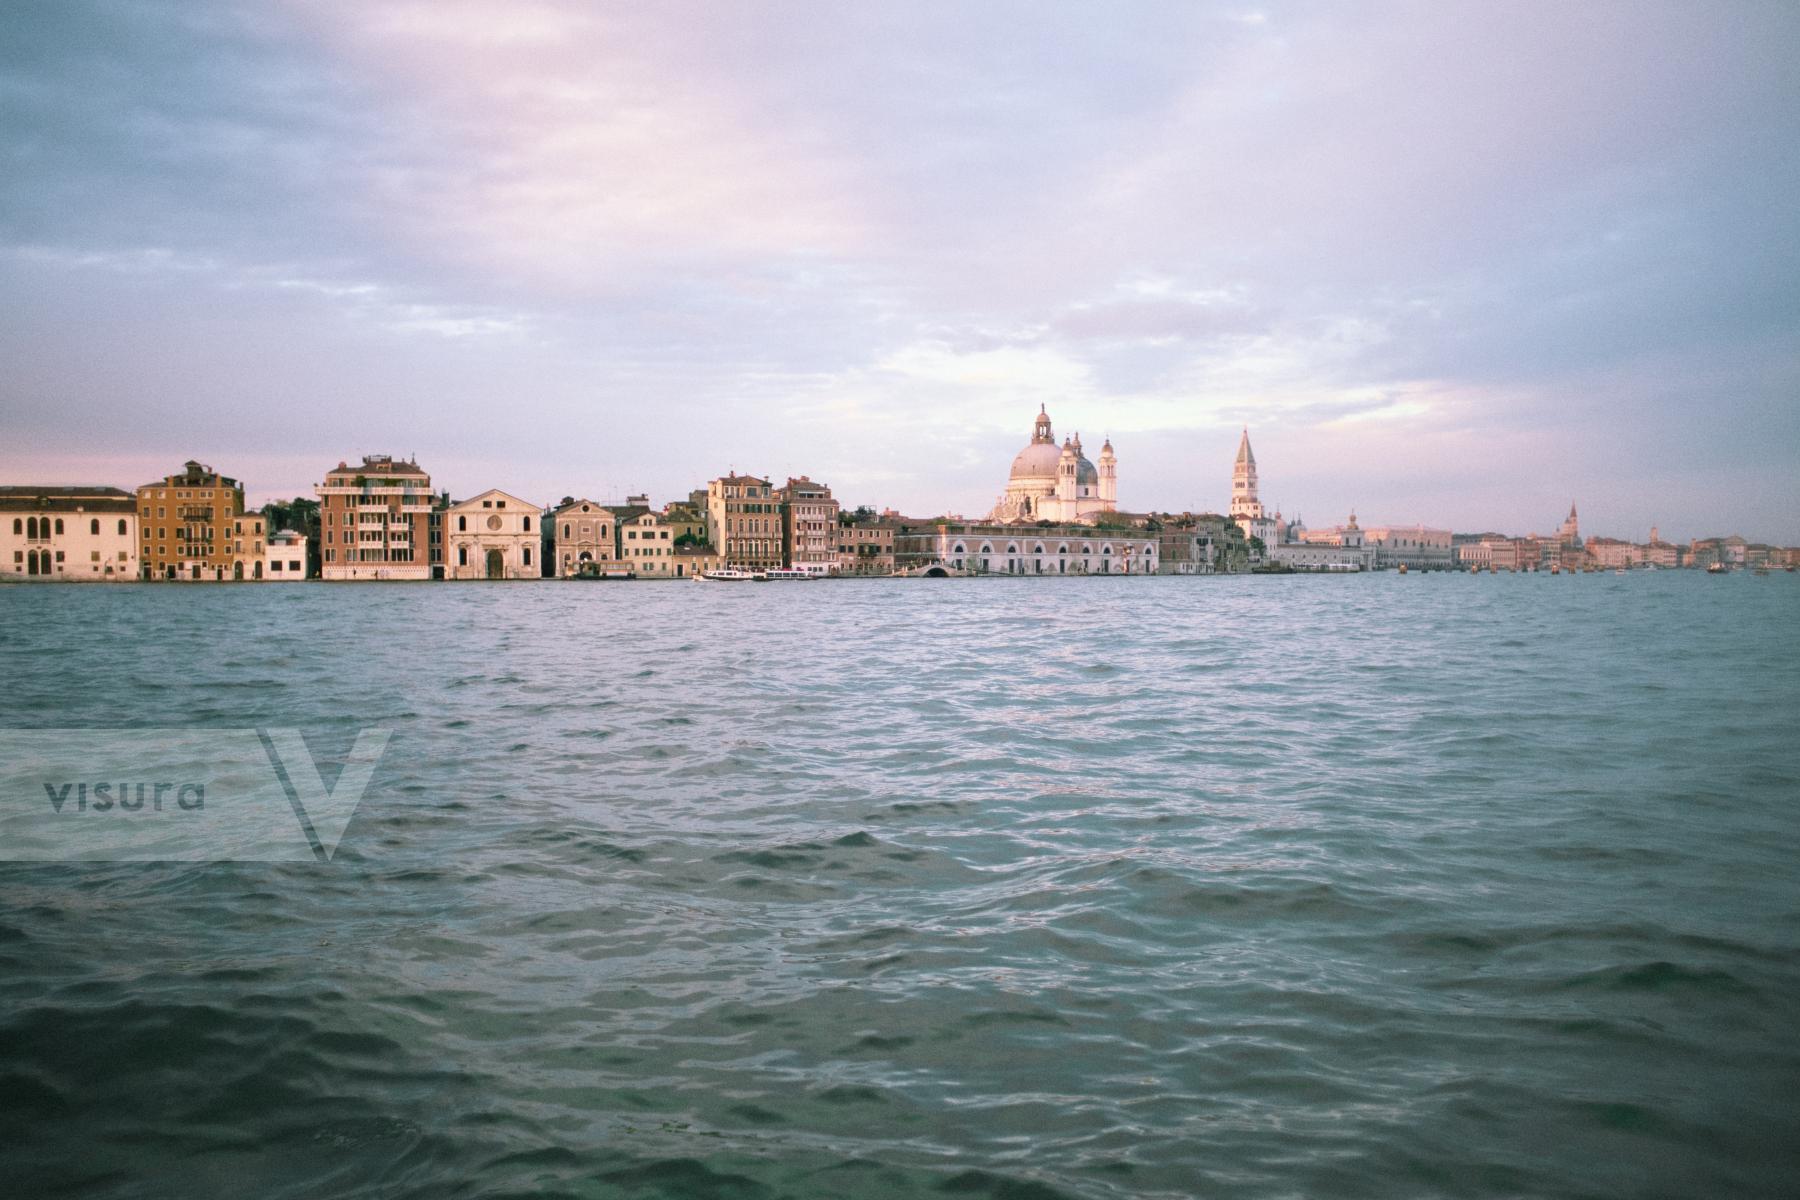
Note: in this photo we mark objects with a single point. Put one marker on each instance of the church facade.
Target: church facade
(1057, 484)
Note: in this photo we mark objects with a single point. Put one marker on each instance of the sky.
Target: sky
(1459, 264)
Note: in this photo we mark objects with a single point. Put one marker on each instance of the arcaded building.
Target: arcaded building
(993, 549)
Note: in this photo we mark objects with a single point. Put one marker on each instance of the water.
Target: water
(1376, 886)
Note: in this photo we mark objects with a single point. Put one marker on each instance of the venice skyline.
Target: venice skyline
(1449, 264)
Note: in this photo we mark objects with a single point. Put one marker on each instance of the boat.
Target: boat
(1762, 571)
(1718, 569)
(592, 572)
(1618, 570)
(1403, 568)
(787, 575)
(724, 575)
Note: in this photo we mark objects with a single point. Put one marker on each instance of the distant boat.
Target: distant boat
(788, 575)
(1762, 570)
(1618, 570)
(1718, 569)
(725, 575)
(1403, 568)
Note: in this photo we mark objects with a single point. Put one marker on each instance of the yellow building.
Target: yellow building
(247, 546)
(646, 543)
(743, 521)
(187, 526)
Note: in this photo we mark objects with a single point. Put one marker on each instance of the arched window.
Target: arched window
(18, 527)
(121, 526)
(462, 524)
(566, 530)
(31, 528)
(462, 555)
(527, 524)
(94, 526)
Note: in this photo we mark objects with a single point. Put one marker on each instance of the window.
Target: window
(527, 519)
(18, 527)
(566, 532)
(462, 525)
(462, 556)
(121, 526)
(94, 526)
(527, 550)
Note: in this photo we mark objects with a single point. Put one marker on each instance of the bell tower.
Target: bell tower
(1243, 482)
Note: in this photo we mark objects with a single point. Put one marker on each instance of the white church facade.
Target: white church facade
(1057, 484)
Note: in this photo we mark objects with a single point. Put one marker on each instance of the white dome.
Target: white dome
(1037, 461)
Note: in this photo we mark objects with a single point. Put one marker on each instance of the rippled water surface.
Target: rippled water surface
(1376, 886)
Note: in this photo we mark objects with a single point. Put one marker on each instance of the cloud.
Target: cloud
(1441, 256)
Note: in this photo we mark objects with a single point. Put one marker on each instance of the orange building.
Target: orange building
(188, 527)
(375, 520)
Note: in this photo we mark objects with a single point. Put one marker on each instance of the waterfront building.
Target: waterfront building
(1189, 544)
(68, 533)
(492, 536)
(1344, 548)
(992, 548)
(687, 520)
(1570, 533)
(695, 557)
(585, 539)
(865, 545)
(1731, 551)
(1475, 550)
(375, 521)
(1055, 484)
(646, 542)
(743, 521)
(1246, 508)
(1416, 547)
(1611, 553)
(809, 522)
(1658, 553)
(185, 525)
(247, 545)
(284, 558)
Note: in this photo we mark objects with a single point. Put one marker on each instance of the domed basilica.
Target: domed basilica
(1049, 483)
